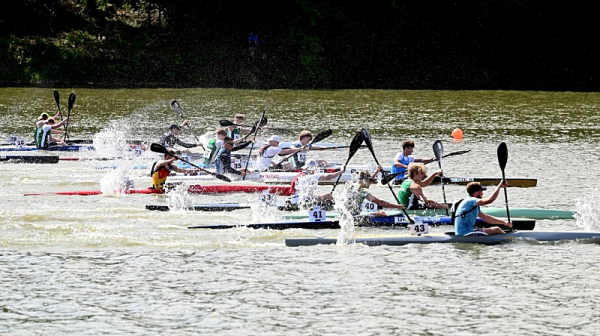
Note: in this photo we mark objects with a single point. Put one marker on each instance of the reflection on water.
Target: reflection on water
(74, 264)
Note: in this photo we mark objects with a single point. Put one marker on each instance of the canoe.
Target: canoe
(531, 213)
(194, 189)
(388, 221)
(451, 238)
(29, 158)
(69, 148)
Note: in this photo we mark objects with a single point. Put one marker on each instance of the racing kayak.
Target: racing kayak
(30, 158)
(386, 221)
(193, 189)
(496, 212)
(491, 181)
(68, 148)
(449, 237)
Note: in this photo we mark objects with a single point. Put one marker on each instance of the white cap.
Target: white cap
(312, 163)
(274, 138)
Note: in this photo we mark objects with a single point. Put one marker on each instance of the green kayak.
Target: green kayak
(496, 212)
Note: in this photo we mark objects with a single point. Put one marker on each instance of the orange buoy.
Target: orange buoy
(457, 134)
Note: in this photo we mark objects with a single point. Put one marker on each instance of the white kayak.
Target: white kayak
(440, 237)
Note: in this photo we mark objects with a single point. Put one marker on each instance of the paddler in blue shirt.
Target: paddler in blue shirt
(223, 162)
(468, 210)
(404, 158)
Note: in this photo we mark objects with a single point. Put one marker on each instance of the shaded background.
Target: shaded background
(495, 44)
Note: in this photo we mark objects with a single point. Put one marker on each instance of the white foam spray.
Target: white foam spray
(588, 211)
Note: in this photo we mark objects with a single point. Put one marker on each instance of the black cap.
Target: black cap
(175, 126)
(474, 187)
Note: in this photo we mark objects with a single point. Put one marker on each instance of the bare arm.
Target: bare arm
(383, 203)
(332, 175)
(493, 220)
(429, 179)
(490, 199)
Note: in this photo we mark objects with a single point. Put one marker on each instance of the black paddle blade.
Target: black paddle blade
(57, 99)
(457, 153)
(225, 123)
(158, 148)
(222, 177)
(72, 98)
(355, 144)
(175, 106)
(322, 136)
(263, 121)
(367, 139)
(502, 155)
(438, 149)
(389, 178)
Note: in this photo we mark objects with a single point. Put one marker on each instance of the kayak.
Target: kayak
(194, 189)
(486, 181)
(449, 237)
(68, 148)
(531, 213)
(386, 221)
(30, 158)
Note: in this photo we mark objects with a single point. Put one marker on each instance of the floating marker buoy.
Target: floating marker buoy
(457, 134)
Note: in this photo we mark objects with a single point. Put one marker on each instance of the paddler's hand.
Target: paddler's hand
(439, 172)
(400, 206)
(509, 224)
(379, 168)
(243, 174)
(503, 184)
(185, 123)
(343, 169)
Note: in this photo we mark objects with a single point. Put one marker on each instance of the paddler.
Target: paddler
(299, 159)
(223, 162)
(404, 158)
(361, 193)
(214, 144)
(43, 120)
(170, 138)
(235, 131)
(161, 170)
(44, 134)
(411, 189)
(304, 185)
(267, 152)
(468, 210)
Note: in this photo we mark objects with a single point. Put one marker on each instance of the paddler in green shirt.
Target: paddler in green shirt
(411, 190)
(214, 144)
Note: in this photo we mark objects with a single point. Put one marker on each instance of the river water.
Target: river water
(105, 265)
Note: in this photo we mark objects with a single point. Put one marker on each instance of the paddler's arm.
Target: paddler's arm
(185, 144)
(429, 179)
(383, 203)
(293, 150)
(332, 175)
(490, 199)
(60, 123)
(493, 220)
(241, 145)
(186, 171)
(377, 170)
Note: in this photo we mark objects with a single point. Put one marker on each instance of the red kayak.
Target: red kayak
(194, 189)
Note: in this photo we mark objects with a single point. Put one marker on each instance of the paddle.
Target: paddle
(369, 144)
(177, 108)
(319, 137)
(158, 148)
(502, 159)
(57, 100)
(258, 124)
(255, 128)
(354, 146)
(438, 150)
(72, 98)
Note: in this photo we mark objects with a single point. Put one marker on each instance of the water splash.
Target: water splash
(264, 208)
(112, 141)
(114, 183)
(345, 202)
(588, 211)
(179, 198)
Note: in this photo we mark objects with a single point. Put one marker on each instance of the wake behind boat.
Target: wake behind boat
(399, 240)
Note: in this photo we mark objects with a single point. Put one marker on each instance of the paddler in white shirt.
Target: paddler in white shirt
(267, 152)
(304, 185)
(44, 134)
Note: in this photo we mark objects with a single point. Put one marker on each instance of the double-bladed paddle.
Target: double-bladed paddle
(387, 179)
(177, 108)
(354, 146)
(158, 148)
(319, 137)
(502, 159)
(227, 123)
(57, 100)
(255, 129)
(438, 150)
(72, 98)
(367, 139)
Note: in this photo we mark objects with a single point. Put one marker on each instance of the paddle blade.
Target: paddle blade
(222, 177)
(225, 123)
(175, 106)
(502, 155)
(57, 99)
(72, 98)
(355, 144)
(158, 148)
(263, 120)
(322, 136)
(438, 149)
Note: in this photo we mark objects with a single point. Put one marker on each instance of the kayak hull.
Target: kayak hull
(194, 189)
(399, 240)
(69, 148)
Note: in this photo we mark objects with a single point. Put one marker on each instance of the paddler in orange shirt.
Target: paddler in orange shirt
(161, 170)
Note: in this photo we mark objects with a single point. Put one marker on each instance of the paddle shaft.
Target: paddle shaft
(320, 137)
(252, 146)
(506, 197)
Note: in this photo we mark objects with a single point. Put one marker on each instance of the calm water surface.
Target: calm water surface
(105, 265)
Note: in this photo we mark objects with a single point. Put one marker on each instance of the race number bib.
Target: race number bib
(316, 214)
(236, 164)
(266, 198)
(207, 153)
(418, 228)
(20, 142)
(369, 206)
(302, 157)
(236, 136)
